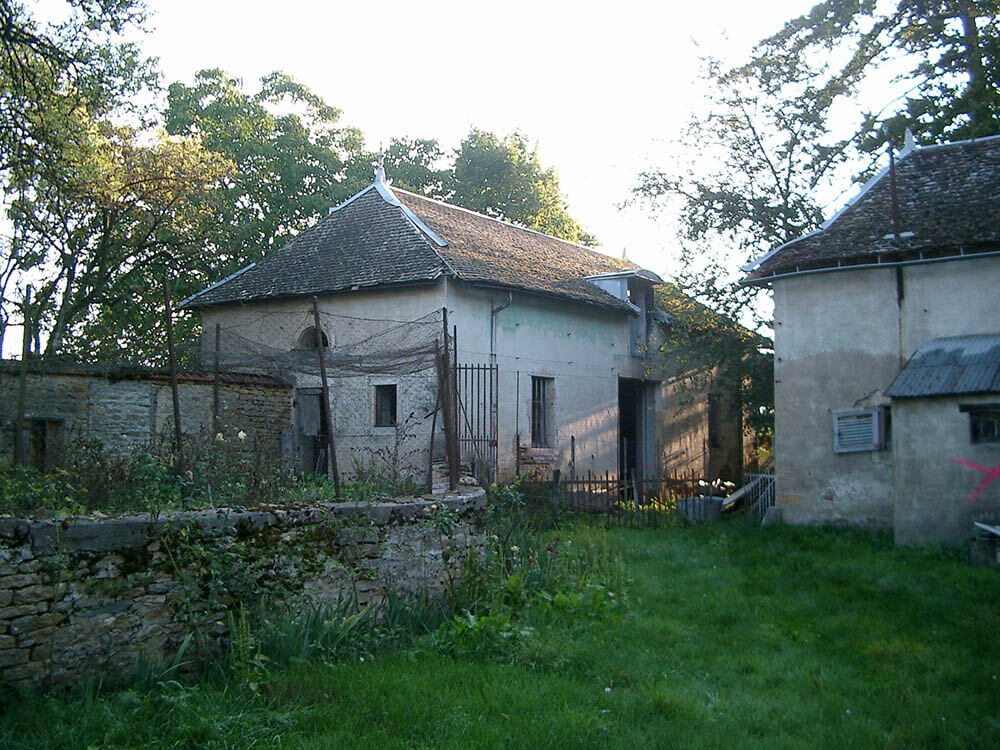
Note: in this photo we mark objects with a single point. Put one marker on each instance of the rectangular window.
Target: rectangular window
(542, 392)
(385, 406)
(984, 422)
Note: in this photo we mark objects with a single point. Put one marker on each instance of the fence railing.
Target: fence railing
(610, 500)
(755, 496)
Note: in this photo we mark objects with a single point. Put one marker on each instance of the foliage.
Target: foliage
(945, 57)
(217, 473)
(737, 636)
(772, 136)
(55, 81)
(126, 215)
(500, 176)
(293, 161)
(706, 352)
(503, 177)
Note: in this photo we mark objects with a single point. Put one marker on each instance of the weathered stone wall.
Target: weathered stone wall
(127, 412)
(89, 596)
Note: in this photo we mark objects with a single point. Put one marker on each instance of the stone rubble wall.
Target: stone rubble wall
(89, 596)
(126, 413)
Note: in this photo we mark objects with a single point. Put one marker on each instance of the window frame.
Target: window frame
(541, 411)
(382, 400)
(979, 415)
(877, 420)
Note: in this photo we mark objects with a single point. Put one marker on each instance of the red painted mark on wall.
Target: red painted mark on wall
(991, 474)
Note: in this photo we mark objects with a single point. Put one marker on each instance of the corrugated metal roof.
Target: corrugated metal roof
(950, 366)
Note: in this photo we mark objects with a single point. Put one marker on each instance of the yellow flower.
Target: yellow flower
(241, 435)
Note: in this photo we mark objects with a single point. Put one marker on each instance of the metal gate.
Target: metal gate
(477, 389)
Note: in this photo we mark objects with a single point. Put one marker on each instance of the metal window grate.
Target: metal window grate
(540, 412)
(855, 430)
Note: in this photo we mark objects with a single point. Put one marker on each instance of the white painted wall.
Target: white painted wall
(583, 349)
(840, 340)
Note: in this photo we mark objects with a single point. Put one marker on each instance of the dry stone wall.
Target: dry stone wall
(125, 409)
(87, 596)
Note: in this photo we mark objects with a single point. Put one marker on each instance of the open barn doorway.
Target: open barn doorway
(636, 428)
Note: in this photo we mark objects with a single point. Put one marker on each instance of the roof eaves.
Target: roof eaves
(612, 303)
(187, 300)
(754, 264)
(641, 273)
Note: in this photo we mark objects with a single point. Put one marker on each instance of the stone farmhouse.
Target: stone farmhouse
(551, 341)
(887, 351)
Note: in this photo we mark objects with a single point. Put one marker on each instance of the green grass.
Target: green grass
(730, 636)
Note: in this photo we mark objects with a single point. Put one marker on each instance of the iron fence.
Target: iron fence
(611, 500)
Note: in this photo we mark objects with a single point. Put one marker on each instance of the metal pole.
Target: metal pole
(169, 317)
(332, 458)
(19, 457)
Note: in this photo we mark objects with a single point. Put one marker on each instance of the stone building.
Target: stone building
(551, 342)
(908, 264)
(124, 407)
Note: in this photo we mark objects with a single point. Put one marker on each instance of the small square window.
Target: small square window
(385, 406)
(984, 423)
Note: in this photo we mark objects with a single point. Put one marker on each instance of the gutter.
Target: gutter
(494, 311)
(866, 266)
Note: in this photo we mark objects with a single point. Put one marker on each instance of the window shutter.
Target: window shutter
(855, 430)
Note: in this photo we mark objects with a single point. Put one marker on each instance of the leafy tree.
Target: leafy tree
(946, 54)
(707, 352)
(416, 165)
(503, 177)
(101, 241)
(764, 157)
(293, 161)
(54, 80)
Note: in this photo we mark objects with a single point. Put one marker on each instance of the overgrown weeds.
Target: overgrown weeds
(729, 635)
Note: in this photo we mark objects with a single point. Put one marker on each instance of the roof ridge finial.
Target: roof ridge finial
(380, 166)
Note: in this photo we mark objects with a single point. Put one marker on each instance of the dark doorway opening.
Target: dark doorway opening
(629, 402)
(310, 417)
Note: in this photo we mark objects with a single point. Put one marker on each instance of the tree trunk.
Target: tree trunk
(976, 94)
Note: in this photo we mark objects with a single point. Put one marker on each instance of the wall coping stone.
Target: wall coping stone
(101, 535)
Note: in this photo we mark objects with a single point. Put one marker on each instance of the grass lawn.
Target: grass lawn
(730, 636)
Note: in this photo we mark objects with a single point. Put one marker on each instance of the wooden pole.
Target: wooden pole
(555, 496)
(169, 317)
(215, 382)
(19, 457)
(332, 459)
(430, 451)
(449, 416)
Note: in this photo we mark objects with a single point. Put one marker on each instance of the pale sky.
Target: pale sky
(601, 88)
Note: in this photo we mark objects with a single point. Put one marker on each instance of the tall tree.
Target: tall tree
(503, 177)
(100, 243)
(293, 160)
(945, 55)
(56, 79)
(770, 124)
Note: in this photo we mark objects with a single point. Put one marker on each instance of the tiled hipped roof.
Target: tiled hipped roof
(948, 198)
(383, 237)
